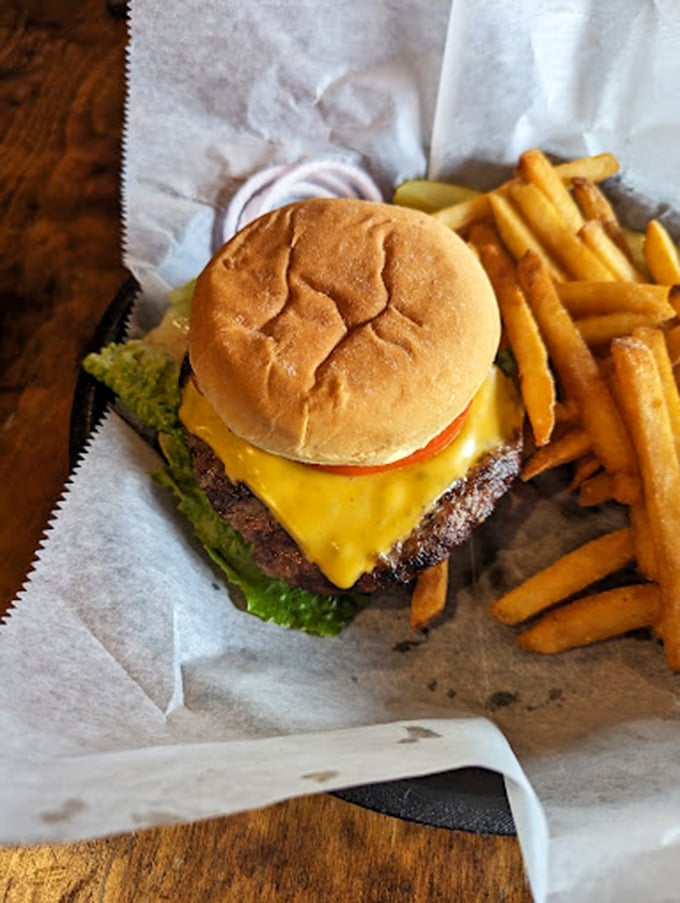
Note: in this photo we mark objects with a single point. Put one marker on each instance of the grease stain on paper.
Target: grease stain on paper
(416, 733)
(320, 776)
(69, 808)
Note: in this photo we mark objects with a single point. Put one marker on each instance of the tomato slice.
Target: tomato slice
(433, 447)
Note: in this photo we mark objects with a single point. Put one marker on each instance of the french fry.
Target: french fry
(584, 299)
(570, 574)
(594, 205)
(580, 376)
(645, 556)
(569, 278)
(596, 168)
(465, 212)
(556, 236)
(595, 236)
(661, 254)
(517, 236)
(569, 447)
(636, 241)
(593, 618)
(654, 340)
(650, 426)
(596, 490)
(536, 381)
(566, 412)
(535, 167)
(483, 233)
(585, 468)
(429, 595)
(599, 330)
(674, 297)
(672, 337)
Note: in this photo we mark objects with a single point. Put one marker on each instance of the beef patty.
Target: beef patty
(451, 520)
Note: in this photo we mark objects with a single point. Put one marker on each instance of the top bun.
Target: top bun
(338, 331)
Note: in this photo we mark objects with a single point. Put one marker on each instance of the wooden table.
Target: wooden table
(61, 105)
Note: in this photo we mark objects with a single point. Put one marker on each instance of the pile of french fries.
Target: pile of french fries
(590, 311)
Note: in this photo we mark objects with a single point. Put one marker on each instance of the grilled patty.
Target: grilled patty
(456, 513)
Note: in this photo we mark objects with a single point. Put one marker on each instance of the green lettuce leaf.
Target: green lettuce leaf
(271, 600)
(145, 377)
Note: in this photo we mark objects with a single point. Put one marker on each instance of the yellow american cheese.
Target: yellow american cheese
(343, 524)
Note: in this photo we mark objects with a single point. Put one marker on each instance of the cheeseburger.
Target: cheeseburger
(340, 400)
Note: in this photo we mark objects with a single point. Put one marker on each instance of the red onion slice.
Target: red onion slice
(278, 185)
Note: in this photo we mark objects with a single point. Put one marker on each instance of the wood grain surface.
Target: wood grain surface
(61, 112)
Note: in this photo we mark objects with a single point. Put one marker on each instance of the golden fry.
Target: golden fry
(654, 340)
(587, 467)
(535, 167)
(556, 236)
(568, 575)
(566, 412)
(580, 376)
(593, 618)
(600, 243)
(465, 212)
(483, 233)
(596, 168)
(517, 236)
(594, 205)
(536, 381)
(650, 426)
(661, 254)
(579, 283)
(584, 299)
(636, 241)
(569, 447)
(672, 337)
(429, 595)
(599, 330)
(596, 490)
(645, 556)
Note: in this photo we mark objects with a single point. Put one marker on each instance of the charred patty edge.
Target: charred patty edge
(449, 522)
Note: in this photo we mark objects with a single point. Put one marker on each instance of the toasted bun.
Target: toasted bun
(342, 331)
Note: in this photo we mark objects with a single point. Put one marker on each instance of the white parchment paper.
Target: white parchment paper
(218, 91)
(577, 77)
(136, 693)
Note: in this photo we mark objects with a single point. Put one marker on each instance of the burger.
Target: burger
(339, 400)
(329, 405)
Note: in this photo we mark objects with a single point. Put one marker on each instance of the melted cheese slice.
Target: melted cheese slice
(343, 524)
